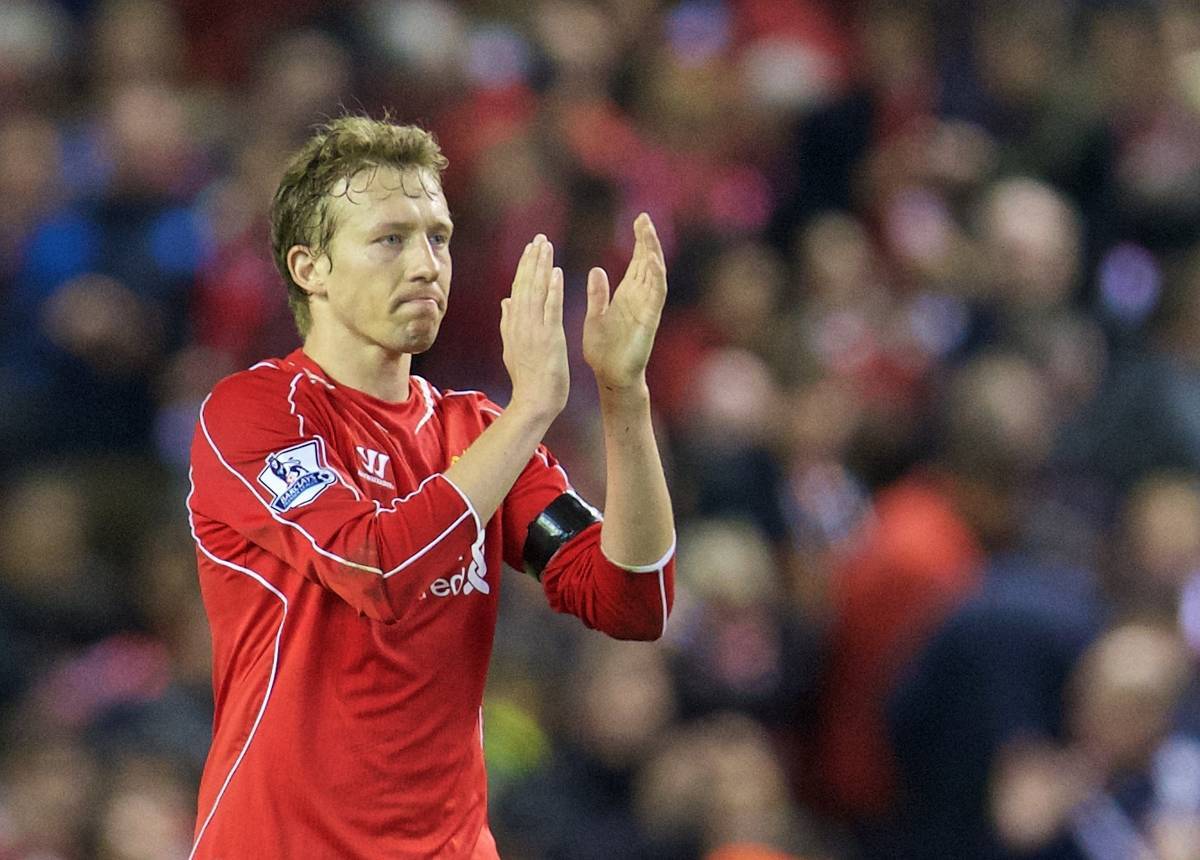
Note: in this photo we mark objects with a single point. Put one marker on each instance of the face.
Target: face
(386, 277)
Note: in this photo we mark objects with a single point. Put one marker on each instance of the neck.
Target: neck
(366, 367)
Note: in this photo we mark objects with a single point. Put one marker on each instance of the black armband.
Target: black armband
(563, 519)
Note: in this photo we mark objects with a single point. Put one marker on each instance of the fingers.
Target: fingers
(524, 266)
(527, 273)
(505, 327)
(597, 293)
(653, 268)
(641, 246)
(534, 347)
(633, 270)
(647, 251)
(532, 282)
(553, 310)
(650, 238)
(539, 285)
(652, 261)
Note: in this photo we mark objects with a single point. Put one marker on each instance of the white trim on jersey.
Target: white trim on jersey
(541, 455)
(311, 540)
(470, 507)
(658, 567)
(300, 417)
(424, 386)
(662, 590)
(380, 509)
(645, 568)
(538, 452)
(257, 577)
(427, 546)
(477, 570)
(292, 402)
(314, 378)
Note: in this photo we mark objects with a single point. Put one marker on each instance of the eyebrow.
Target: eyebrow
(405, 226)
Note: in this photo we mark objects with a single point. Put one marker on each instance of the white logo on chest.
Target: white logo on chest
(373, 466)
(471, 578)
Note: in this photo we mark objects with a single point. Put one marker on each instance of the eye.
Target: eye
(390, 239)
(440, 240)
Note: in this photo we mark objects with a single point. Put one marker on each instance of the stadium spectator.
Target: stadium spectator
(996, 675)
(858, 200)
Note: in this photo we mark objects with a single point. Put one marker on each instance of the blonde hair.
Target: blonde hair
(338, 150)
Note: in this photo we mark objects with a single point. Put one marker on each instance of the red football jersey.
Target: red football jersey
(352, 595)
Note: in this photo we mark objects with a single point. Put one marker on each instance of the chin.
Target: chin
(415, 340)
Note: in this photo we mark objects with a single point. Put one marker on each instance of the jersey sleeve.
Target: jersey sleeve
(625, 603)
(265, 471)
(579, 579)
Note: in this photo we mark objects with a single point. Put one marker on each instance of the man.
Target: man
(351, 520)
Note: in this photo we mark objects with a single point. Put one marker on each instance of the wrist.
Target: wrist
(624, 398)
(622, 385)
(531, 413)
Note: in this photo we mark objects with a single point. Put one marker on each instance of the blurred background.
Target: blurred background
(928, 388)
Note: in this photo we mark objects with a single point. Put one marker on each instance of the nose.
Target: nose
(426, 266)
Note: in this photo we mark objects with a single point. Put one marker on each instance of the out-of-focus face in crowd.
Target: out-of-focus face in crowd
(30, 180)
(1159, 543)
(622, 702)
(147, 813)
(43, 539)
(998, 419)
(48, 795)
(717, 783)
(1124, 695)
(136, 41)
(1031, 241)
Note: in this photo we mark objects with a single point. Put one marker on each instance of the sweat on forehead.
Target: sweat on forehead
(381, 181)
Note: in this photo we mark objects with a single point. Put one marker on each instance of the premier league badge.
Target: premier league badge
(296, 475)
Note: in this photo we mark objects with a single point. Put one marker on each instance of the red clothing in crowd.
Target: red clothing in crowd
(919, 560)
(352, 594)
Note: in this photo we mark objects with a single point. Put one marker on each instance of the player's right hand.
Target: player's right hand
(531, 327)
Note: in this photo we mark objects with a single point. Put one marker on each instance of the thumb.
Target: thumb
(597, 293)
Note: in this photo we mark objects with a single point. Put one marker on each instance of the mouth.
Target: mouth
(419, 302)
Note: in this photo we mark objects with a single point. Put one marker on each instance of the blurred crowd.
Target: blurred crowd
(928, 388)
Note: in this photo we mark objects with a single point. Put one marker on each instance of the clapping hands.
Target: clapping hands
(618, 331)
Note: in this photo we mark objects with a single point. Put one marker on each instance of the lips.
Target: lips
(432, 302)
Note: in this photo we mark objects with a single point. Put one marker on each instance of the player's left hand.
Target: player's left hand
(618, 333)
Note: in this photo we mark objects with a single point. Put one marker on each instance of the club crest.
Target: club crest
(296, 475)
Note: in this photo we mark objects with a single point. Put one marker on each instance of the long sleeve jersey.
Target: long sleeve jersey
(352, 593)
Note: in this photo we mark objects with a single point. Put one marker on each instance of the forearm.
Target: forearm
(639, 526)
(535, 354)
(487, 470)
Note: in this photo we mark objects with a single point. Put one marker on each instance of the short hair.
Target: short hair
(338, 150)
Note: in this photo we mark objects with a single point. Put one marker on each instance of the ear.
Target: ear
(308, 269)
